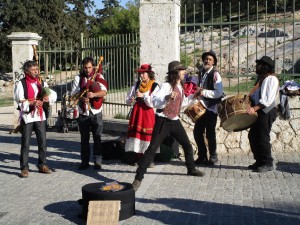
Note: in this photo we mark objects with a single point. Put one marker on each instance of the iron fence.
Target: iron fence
(60, 63)
(240, 34)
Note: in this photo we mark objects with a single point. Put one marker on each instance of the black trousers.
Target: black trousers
(94, 124)
(162, 128)
(259, 137)
(40, 130)
(207, 123)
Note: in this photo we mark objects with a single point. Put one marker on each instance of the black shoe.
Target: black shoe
(213, 159)
(195, 173)
(201, 161)
(264, 168)
(97, 166)
(83, 166)
(136, 184)
(254, 166)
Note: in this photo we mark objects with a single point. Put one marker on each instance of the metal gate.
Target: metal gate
(240, 34)
(60, 63)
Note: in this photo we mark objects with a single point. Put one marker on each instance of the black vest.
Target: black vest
(46, 106)
(209, 85)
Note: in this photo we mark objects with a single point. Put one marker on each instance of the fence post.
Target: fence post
(159, 34)
(21, 51)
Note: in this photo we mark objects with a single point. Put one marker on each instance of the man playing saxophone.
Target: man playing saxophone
(90, 87)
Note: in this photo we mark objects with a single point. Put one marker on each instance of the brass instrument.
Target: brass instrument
(36, 57)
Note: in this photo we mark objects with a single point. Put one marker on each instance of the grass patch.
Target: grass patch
(120, 116)
(6, 101)
(242, 87)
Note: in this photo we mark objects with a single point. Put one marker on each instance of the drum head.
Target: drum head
(238, 122)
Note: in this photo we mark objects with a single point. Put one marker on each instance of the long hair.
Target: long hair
(172, 78)
(264, 71)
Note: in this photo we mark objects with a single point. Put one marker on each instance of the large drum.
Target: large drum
(126, 195)
(195, 111)
(232, 112)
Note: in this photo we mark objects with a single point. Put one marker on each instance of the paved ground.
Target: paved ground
(229, 194)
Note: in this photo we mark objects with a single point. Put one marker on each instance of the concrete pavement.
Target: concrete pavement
(228, 194)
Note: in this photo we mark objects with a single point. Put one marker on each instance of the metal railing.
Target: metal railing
(60, 63)
(240, 34)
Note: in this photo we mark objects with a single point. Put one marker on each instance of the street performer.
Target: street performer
(210, 84)
(32, 95)
(90, 87)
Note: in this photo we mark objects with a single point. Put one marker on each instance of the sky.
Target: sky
(99, 4)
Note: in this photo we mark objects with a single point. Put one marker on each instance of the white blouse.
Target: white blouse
(148, 98)
(159, 99)
(34, 116)
(268, 91)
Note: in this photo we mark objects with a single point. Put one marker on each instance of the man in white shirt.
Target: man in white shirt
(90, 87)
(263, 95)
(210, 84)
(31, 97)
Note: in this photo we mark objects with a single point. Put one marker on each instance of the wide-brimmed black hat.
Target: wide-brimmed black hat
(175, 66)
(266, 60)
(211, 53)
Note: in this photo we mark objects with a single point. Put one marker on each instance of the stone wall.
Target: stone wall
(284, 134)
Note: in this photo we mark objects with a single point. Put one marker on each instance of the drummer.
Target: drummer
(210, 84)
(264, 95)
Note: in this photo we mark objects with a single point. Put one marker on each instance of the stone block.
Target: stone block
(294, 102)
(286, 135)
(295, 124)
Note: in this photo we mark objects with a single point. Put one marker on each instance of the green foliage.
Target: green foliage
(186, 59)
(115, 19)
(120, 116)
(6, 101)
(241, 87)
(54, 20)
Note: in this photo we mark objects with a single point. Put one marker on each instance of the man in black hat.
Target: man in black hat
(263, 94)
(169, 100)
(210, 84)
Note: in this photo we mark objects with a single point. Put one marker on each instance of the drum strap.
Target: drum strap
(254, 89)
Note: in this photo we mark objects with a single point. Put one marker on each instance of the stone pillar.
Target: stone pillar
(21, 51)
(159, 34)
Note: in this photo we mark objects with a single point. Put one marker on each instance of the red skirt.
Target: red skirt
(140, 128)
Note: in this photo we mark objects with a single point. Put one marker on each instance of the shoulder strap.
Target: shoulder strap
(137, 84)
(23, 81)
(154, 85)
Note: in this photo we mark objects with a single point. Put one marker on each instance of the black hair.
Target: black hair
(88, 60)
(263, 71)
(28, 64)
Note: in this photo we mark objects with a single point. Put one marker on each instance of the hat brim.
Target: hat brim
(208, 53)
(142, 71)
(264, 62)
(181, 67)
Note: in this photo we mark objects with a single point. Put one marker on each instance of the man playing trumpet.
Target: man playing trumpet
(90, 88)
(32, 96)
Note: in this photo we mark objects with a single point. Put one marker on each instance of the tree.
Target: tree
(114, 19)
(54, 20)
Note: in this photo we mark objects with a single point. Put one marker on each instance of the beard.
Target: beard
(206, 67)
